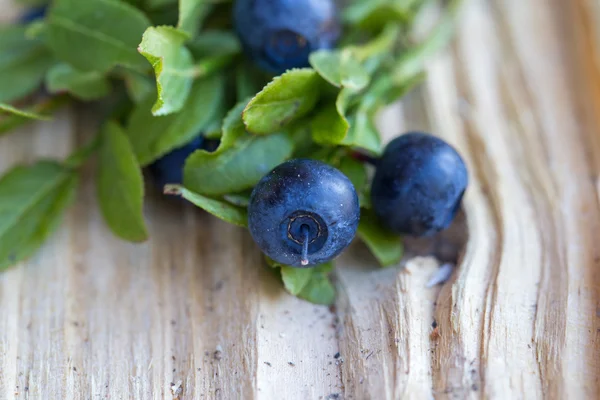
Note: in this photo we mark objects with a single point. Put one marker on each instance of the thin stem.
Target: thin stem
(362, 157)
(45, 107)
(305, 231)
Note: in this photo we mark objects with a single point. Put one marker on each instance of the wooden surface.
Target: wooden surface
(192, 313)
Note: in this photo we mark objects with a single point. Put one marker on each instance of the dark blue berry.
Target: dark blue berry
(169, 168)
(418, 185)
(304, 212)
(33, 14)
(280, 34)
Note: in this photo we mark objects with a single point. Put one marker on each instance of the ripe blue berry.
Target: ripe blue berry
(33, 14)
(280, 34)
(304, 212)
(418, 185)
(169, 168)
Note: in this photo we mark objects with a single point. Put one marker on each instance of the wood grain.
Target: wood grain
(193, 314)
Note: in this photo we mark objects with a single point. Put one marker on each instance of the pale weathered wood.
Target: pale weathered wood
(193, 314)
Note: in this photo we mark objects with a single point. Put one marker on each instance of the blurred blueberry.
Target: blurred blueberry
(33, 14)
(280, 34)
(169, 168)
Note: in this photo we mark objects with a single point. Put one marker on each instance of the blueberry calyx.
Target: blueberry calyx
(308, 231)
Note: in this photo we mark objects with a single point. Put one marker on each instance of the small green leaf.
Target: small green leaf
(152, 137)
(32, 201)
(385, 245)
(246, 81)
(120, 185)
(310, 284)
(238, 168)
(329, 125)
(191, 14)
(319, 289)
(357, 173)
(340, 68)
(363, 133)
(213, 43)
(139, 87)
(233, 127)
(373, 14)
(413, 60)
(295, 279)
(220, 209)
(157, 4)
(23, 63)
(173, 66)
(88, 85)
(7, 108)
(382, 44)
(240, 161)
(239, 199)
(96, 35)
(285, 99)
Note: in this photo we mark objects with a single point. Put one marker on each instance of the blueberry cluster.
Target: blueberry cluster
(306, 212)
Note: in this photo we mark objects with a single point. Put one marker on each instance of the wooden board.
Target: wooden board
(193, 313)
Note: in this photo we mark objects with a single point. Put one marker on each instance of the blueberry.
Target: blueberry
(280, 34)
(418, 184)
(304, 212)
(169, 168)
(33, 14)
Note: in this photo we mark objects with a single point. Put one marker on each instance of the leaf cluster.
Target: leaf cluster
(171, 70)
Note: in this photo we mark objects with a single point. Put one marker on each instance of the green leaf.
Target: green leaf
(413, 60)
(88, 85)
(382, 44)
(246, 81)
(319, 289)
(295, 279)
(310, 284)
(240, 167)
(239, 199)
(120, 185)
(7, 108)
(155, 4)
(152, 137)
(32, 201)
(240, 161)
(220, 209)
(329, 125)
(191, 15)
(285, 99)
(214, 43)
(340, 68)
(385, 245)
(96, 35)
(357, 173)
(363, 133)
(23, 63)
(173, 66)
(373, 14)
(139, 87)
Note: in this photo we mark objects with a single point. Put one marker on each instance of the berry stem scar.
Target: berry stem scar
(305, 230)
